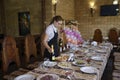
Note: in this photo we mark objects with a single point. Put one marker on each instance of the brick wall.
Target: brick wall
(12, 7)
(65, 8)
(88, 24)
(68, 9)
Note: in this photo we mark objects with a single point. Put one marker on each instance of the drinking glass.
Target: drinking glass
(42, 66)
(70, 74)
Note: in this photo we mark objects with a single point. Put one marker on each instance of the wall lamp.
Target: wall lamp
(92, 8)
(115, 2)
(54, 2)
(92, 11)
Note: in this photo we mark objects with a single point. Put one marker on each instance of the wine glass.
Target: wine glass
(88, 59)
(42, 65)
(70, 74)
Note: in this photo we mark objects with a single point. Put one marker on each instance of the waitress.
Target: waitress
(51, 38)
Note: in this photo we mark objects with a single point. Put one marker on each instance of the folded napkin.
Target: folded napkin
(94, 43)
(71, 57)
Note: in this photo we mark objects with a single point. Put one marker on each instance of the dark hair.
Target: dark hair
(56, 18)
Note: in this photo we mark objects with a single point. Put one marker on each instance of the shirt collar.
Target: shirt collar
(54, 28)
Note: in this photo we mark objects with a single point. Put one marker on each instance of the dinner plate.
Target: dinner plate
(88, 69)
(48, 77)
(79, 63)
(97, 58)
(65, 65)
(101, 51)
(25, 77)
(49, 63)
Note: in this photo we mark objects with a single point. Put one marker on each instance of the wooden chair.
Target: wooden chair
(39, 45)
(116, 61)
(9, 53)
(42, 46)
(116, 70)
(113, 37)
(20, 41)
(98, 36)
(10, 58)
(30, 51)
(116, 75)
(116, 56)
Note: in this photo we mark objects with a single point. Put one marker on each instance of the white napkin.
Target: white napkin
(94, 43)
(71, 57)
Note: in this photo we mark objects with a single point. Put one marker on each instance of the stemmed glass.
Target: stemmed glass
(42, 66)
(70, 74)
(88, 59)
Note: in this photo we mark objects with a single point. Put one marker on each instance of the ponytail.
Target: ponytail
(56, 18)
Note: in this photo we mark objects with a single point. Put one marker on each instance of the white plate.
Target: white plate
(88, 69)
(65, 65)
(79, 63)
(48, 77)
(98, 58)
(25, 77)
(49, 63)
(101, 51)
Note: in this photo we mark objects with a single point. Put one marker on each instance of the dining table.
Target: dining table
(81, 62)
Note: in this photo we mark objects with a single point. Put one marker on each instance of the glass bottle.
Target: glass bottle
(53, 56)
(60, 45)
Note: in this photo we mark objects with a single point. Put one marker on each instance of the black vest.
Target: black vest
(54, 42)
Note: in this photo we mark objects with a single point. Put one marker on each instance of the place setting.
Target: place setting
(97, 58)
(49, 63)
(25, 77)
(79, 63)
(88, 69)
(48, 77)
(64, 65)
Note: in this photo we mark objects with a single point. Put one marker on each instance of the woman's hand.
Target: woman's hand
(45, 43)
(50, 50)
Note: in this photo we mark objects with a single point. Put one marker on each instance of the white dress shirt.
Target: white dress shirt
(50, 31)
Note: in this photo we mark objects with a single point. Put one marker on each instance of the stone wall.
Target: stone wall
(13, 7)
(65, 8)
(69, 9)
(88, 23)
